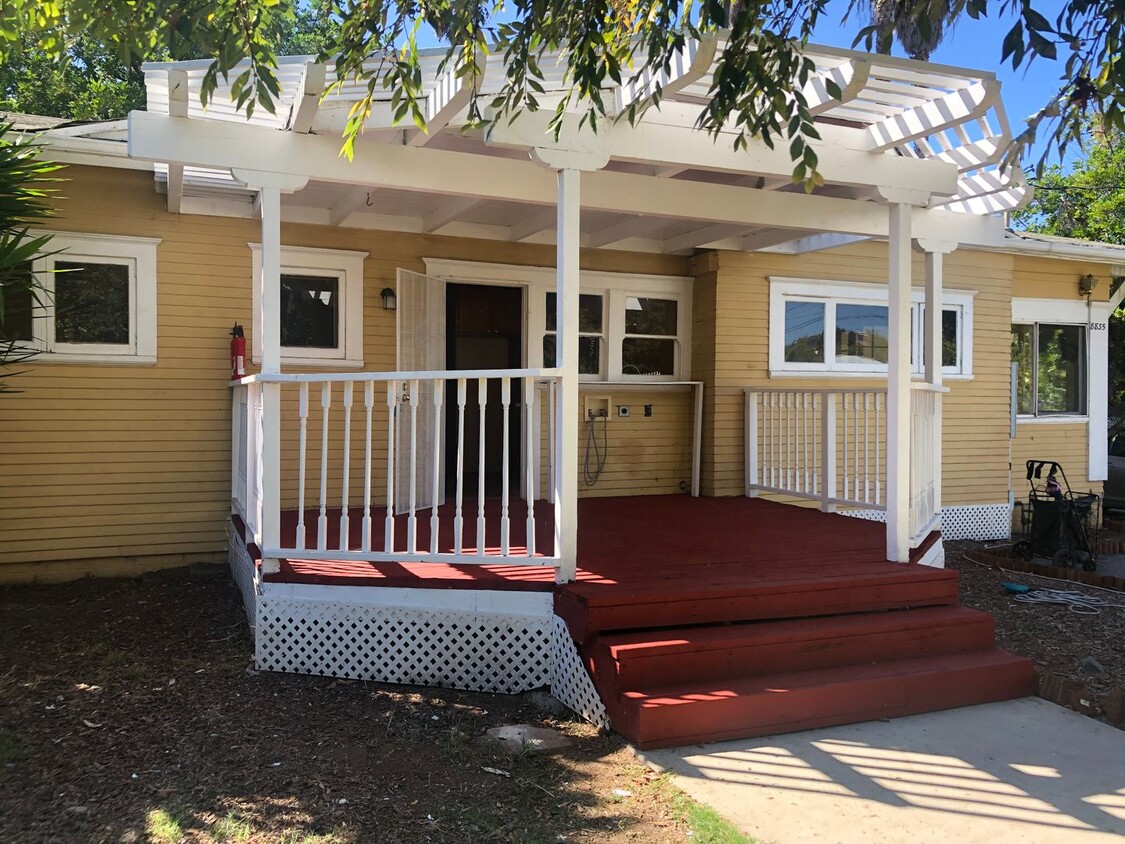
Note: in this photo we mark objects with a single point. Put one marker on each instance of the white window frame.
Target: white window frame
(138, 254)
(614, 288)
(603, 335)
(832, 293)
(345, 266)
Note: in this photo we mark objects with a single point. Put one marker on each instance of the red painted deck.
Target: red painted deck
(703, 619)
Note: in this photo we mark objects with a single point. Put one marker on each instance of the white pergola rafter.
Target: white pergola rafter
(851, 78)
(448, 212)
(449, 97)
(702, 236)
(532, 225)
(354, 200)
(177, 107)
(688, 65)
(617, 232)
(304, 108)
(955, 107)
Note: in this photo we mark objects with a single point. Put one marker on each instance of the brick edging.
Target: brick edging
(1003, 559)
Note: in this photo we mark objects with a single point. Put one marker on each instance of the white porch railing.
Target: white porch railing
(370, 449)
(925, 461)
(830, 445)
(823, 445)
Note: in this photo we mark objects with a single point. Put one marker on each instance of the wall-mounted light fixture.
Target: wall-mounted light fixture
(1087, 284)
(390, 301)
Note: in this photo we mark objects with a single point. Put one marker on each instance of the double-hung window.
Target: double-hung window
(321, 306)
(1051, 368)
(839, 328)
(591, 333)
(92, 299)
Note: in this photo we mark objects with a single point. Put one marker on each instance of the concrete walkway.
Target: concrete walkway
(1020, 771)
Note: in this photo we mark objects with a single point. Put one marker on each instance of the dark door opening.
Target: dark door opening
(484, 330)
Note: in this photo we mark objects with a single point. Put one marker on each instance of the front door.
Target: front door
(484, 330)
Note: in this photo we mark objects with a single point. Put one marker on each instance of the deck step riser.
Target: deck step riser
(584, 621)
(772, 651)
(779, 711)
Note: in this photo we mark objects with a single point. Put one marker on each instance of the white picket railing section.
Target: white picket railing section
(385, 433)
(925, 461)
(823, 445)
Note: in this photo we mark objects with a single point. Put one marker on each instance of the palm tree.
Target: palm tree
(919, 24)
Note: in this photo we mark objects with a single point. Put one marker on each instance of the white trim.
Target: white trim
(345, 265)
(138, 254)
(1077, 312)
(613, 287)
(783, 288)
(509, 602)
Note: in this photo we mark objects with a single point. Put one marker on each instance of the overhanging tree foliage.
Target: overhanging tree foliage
(26, 185)
(756, 88)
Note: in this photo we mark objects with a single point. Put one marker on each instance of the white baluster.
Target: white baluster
(805, 437)
(482, 402)
(322, 522)
(844, 440)
(505, 523)
(878, 452)
(855, 442)
(439, 396)
(369, 405)
(531, 448)
(412, 519)
(345, 491)
(828, 451)
(303, 413)
(866, 449)
(389, 521)
(458, 520)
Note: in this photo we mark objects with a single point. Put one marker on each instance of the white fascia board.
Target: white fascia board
(944, 112)
(91, 152)
(666, 145)
(213, 144)
(1072, 249)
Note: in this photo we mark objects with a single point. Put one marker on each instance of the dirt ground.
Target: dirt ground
(127, 713)
(1057, 639)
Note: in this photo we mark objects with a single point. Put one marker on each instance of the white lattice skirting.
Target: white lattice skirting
(969, 521)
(456, 650)
(570, 682)
(242, 569)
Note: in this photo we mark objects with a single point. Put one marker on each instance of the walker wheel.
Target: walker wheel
(1090, 565)
(1022, 550)
(1065, 559)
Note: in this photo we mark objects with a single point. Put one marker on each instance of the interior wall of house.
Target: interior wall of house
(732, 290)
(112, 470)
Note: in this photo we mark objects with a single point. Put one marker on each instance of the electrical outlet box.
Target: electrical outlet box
(596, 406)
(623, 410)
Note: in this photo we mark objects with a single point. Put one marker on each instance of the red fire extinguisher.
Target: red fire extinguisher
(237, 352)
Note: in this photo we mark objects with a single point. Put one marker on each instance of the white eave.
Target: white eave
(1070, 248)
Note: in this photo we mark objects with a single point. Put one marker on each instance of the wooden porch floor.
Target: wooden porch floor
(639, 543)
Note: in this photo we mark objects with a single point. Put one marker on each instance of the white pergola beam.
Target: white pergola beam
(617, 232)
(687, 66)
(203, 143)
(851, 78)
(311, 89)
(449, 211)
(677, 148)
(969, 103)
(354, 200)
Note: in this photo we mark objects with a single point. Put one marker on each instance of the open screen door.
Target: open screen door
(420, 322)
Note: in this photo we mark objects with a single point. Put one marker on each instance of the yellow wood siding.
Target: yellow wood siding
(116, 469)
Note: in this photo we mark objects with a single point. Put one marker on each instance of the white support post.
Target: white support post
(898, 385)
(566, 426)
(270, 186)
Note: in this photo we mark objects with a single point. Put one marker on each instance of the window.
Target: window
(1051, 375)
(838, 327)
(98, 300)
(20, 303)
(649, 344)
(590, 333)
(321, 306)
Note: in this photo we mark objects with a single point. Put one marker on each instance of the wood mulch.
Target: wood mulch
(128, 713)
(1057, 640)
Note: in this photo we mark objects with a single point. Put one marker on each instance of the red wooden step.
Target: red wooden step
(590, 608)
(782, 703)
(698, 654)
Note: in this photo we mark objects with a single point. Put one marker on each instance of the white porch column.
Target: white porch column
(898, 385)
(569, 164)
(566, 316)
(270, 186)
